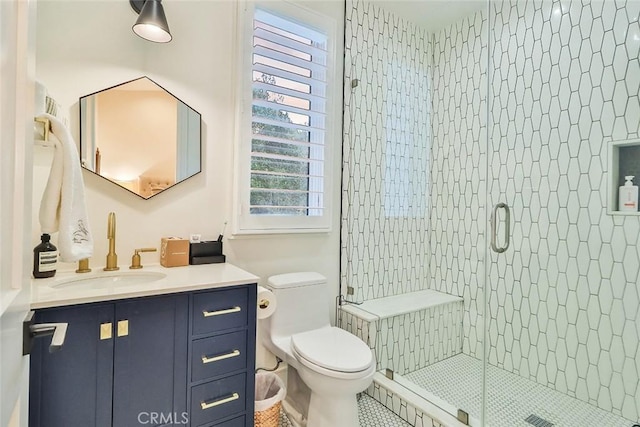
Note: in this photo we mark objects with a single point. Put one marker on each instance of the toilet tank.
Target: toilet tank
(303, 303)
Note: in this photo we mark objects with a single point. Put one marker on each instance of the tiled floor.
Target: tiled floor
(284, 421)
(512, 398)
(371, 413)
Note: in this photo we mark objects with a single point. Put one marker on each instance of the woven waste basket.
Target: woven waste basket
(270, 391)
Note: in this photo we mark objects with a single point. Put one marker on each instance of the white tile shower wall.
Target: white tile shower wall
(386, 149)
(565, 79)
(411, 341)
(402, 408)
(414, 340)
(563, 301)
(458, 169)
(363, 329)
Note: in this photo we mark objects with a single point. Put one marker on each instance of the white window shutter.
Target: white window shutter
(288, 112)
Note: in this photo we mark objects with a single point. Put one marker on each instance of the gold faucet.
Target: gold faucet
(112, 258)
(135, 259)
(83, 266)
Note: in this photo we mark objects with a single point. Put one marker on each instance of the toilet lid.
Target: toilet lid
(333, 348)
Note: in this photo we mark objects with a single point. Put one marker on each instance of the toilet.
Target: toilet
(328, 366)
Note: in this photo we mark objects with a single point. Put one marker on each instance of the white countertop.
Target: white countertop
(178, 279)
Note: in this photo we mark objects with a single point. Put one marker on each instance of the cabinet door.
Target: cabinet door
(150, 361)
(72, 387)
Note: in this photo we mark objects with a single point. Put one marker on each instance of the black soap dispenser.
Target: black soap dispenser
(45, 258)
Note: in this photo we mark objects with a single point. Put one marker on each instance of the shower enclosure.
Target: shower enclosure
(495, 271)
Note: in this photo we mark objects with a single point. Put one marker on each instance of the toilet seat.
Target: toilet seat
(332, 351)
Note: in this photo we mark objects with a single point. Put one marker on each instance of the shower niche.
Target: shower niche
(624, 160)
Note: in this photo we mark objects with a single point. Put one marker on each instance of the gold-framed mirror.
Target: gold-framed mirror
(140, 137)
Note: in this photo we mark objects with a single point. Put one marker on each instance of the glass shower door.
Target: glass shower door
(561, 337)
(413, 191)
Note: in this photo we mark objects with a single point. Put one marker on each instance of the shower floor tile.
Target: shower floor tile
(371, 412)
(458, 381)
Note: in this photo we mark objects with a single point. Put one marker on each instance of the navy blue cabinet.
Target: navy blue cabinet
(150, 361)
(222, 357)
(73, 386)
(181, 359)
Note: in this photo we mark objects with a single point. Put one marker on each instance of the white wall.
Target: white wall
(85, 46)
(17, 73)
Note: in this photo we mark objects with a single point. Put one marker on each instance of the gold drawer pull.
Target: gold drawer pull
(205, 405)
(123, 328)
(234, 353)
(105, 331)
(220, 312)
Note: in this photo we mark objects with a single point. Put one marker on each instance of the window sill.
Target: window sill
(248, 234)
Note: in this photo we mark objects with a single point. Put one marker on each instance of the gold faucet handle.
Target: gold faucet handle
(83, 266)
(136, 260)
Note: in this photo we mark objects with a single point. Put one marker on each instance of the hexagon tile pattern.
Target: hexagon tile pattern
(370, 414)
(563, 302)
(404, 409)
(386, 149)
(564, 80)
(410, 341)
(458, 169)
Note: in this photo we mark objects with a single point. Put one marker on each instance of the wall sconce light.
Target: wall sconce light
(152, 23)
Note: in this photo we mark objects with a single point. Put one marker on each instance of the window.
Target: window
(284, 156)
(406, 155)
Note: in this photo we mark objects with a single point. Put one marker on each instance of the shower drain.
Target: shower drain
(537, 421)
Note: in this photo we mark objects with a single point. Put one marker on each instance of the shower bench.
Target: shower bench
(408, 331)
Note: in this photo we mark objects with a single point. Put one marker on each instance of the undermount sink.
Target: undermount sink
(109, 280)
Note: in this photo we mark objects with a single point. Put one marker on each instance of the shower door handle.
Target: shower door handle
(494, 227)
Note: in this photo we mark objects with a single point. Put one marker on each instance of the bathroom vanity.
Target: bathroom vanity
(176, 349)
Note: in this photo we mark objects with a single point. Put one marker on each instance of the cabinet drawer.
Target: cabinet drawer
(219, 354)
(217, 399)
(219, 310)
(236, 422)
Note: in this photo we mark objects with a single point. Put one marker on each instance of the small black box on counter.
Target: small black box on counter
(206, 253)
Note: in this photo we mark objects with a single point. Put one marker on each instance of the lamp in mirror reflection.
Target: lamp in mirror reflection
(151, 23)
(139, 136)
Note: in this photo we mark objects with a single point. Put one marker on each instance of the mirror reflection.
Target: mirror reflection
(139, 136)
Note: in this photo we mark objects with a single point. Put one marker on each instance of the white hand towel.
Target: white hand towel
(63, 207)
